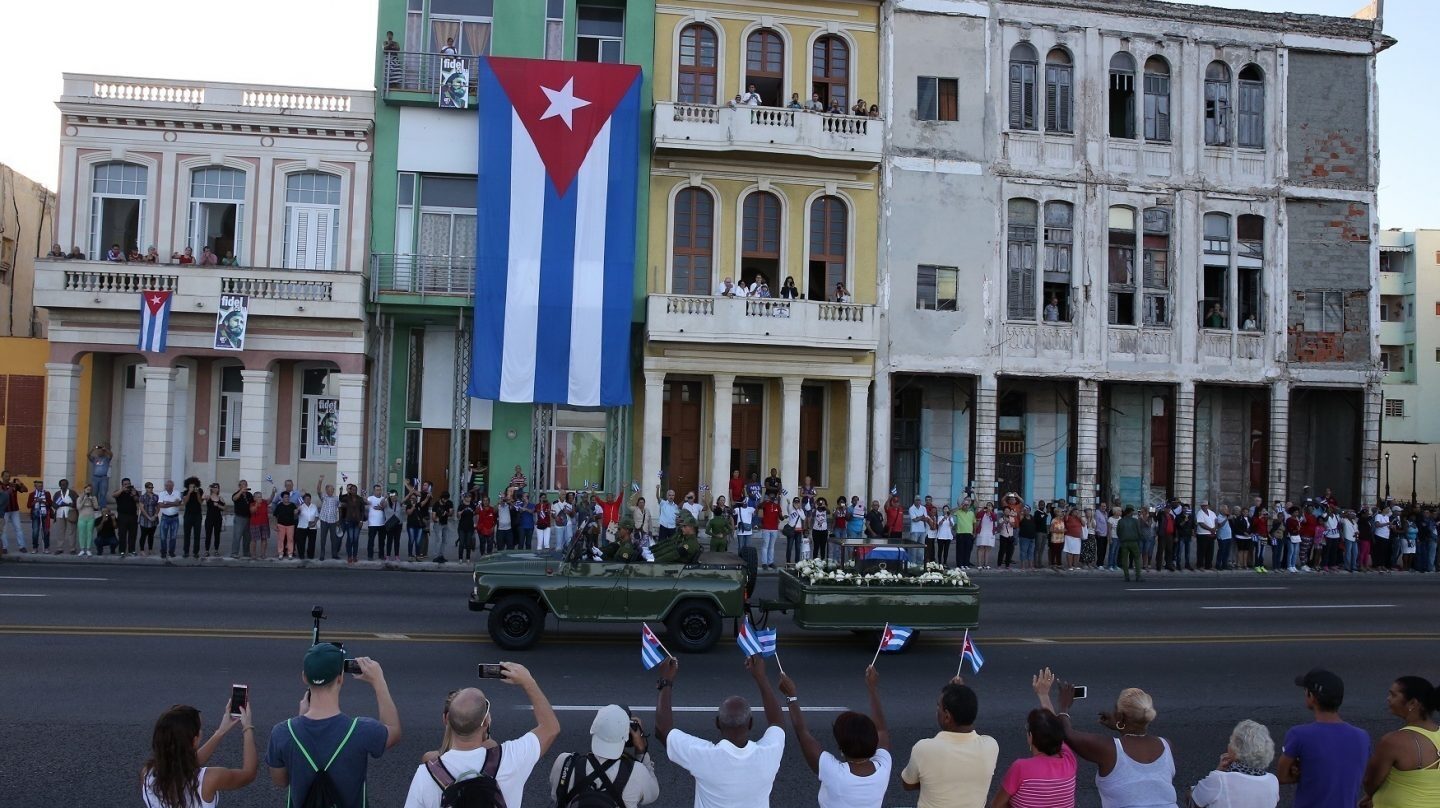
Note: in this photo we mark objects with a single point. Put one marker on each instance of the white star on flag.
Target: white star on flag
(563, 103)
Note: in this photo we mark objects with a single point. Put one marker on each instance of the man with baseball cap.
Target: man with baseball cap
(610, 732)
(322, 738)
(1327, 756)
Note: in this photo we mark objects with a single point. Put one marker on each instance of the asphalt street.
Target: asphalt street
(90, 654)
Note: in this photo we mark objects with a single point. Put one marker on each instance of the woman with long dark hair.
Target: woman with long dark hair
(176, 776)
(1405, 766)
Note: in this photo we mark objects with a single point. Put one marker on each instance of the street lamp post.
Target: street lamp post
(1414, 464)
(1387, 476)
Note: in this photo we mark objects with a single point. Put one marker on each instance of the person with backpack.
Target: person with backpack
(321, 755)
(608, 777)
(477, 771)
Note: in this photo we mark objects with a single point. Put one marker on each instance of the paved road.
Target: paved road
(90, 654)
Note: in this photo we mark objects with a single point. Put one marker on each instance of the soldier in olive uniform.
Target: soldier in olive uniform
(683, 547)
(622, 550)
(719, 529)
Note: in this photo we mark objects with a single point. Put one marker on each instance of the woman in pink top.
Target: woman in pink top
(1046, 779)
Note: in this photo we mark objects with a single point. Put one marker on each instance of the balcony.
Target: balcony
(1393, 332)
(1047, 340)
(206, 100)
(771, 131)
(1236, 349)
(763, 321)
(425, 279)
(63, 284)
(1140, 344)
(412, 77)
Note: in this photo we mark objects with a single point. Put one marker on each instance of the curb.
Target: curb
(242, 563)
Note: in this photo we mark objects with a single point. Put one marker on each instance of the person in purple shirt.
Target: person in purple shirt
(1326, 757)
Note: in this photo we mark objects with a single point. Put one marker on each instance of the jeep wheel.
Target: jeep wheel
(695, 626)
(516, 622)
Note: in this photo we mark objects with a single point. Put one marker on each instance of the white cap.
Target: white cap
(609, 732)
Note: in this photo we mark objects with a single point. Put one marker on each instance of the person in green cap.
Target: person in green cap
(323, 737)
(622, 550)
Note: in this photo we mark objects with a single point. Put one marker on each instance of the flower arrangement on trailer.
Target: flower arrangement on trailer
(825, 571)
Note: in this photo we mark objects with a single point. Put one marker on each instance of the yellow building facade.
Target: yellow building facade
(27, 211)
(761, 323)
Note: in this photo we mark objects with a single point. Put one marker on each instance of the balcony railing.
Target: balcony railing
(765, 321)
(414, 72)
(423, 275)
(218, 97)
(769, 130)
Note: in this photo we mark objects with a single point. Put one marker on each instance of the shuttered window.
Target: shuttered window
(1023, 70)
(1217, 104)
(1059, 92)
(1020, 259)
(693, 242)
(1157, 100)
(1250, 118)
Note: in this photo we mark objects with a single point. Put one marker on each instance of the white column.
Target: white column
(880, 438)
(790, 435)
(62, 402)
(158, 440)
(986, 390)
(857, 441)
(350, 442)
(255, 428)
(720, 447)
(1280, 442)
(1087, 440)
(654, 415)
(1370, 447)
(1184, 471)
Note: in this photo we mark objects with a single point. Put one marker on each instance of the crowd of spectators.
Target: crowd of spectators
(132, 255)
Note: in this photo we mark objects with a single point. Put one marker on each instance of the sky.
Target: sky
(329, 43)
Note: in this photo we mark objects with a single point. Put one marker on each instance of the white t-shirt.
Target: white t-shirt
(169, 502)
(917, 519)
(306, 516)
(745, 522)
(1382, 525)
(376, 517)
(517, 758)
(841, 788)
(694, 508)
(1205, 518)
(727, 776)
(1226, 789)
(641, 789)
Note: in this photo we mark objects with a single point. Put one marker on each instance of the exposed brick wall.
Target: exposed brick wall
(1329, 117)
(1329, 250)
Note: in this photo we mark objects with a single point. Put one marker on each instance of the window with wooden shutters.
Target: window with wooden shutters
(1020, 251)
(693, 242)
(1157, 100)
(1023, 65)
(830, 71)
(1155, 274)
(1059, 92)
(1217, 104)
(1250, 118)
(312, 220)
(1122, 96)
(24, 417)
(1121, 275)
(829, 225)
(698, 60)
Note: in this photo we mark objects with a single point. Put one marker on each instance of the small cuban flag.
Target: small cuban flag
(154, 320)
(894, 490)
(635, 486)
(971, 651)
(894, 638)
(652, 653)
(754, 642)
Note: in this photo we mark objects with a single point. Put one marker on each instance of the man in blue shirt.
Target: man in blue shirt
(100, 458)
(1326, 757)
(668, 513)
(323, 737)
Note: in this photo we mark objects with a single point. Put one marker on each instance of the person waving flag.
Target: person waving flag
(892, 639)
(970, 651)
(652, 652)
(754, 642)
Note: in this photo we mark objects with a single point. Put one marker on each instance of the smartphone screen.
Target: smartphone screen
(491, 670)
(1081, 691)
(352, 666)
(239, 697)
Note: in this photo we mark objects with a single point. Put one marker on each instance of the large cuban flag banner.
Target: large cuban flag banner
(555, 249)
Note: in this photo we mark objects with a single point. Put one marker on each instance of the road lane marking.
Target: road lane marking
(46, 578)
(1324, 606)
(392, 636)
(20, 595)
(591, 708)
(1036, 640)
(1208, 589)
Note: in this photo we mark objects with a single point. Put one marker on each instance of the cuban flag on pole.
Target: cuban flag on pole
(555, 242)
(754, 642)
(652, 653)
(154, 320)
(894, 638)
(971, 651)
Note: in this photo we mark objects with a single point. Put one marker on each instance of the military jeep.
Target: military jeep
(520, 588)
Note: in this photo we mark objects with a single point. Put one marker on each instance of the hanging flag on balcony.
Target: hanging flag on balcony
(555, 255)
(454, 82)
(230, 321)
(154, 320)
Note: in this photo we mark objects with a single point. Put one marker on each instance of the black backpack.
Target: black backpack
(475, 789)
(595, 790)
(322, 792)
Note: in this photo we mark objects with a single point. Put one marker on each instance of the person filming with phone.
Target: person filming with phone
(176, 776)
(323, 750)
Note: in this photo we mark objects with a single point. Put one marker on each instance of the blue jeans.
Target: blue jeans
(39, 531)
(12, 523)
(1352, 555)
(416, 534)
(743, 540)
(1027, 549)
(1430, 556)
(1223, 558)
(169, 526)
(352, 539)
(1182, 551)
(1277, 554)
(767, 546)
(1112, 553)
(1292, 551)
(101, 482)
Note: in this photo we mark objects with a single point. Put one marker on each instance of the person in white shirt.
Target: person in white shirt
(169, 502)
(744, 524)
(751, 98)
(919, 521)
(735, 772)
(692, 504)
(1241, 778)
(468, 717)
(727, 289)
(860, 777)
(375, 522)
(1206, 521)
(630, 774)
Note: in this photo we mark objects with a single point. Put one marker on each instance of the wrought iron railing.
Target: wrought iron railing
(393, 273)
(414, 72)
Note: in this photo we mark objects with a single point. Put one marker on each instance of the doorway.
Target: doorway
(747, 428)
(680, 435)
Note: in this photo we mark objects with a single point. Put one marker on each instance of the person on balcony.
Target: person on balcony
(1216, 317)
(230, 260)
(208, 258)
(794, 104)
(751, 98)
(152, 255)
(76, 254)
(816, 105)
(859, 109)
(56, 251)
(728, 289)
(842, 295)
(736, 101)
(835, 107)
(186, 257)
(757, 285)
(874, 111)
(449, 49)
(788, 290)
(390, 45)
(115, 255)
(133, 256)
(1052, 309)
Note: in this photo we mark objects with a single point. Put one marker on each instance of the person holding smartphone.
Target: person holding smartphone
(176, 776)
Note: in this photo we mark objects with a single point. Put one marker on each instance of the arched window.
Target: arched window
(1059, 251)
(1215, 279)
(1020, 259)
(1250, 113)
(1155, 275)
(829, 238)
(760, 239)
(1059, 91)
(1023, 64)
(312, 220)
(217, 212)
(1217, 104)
(830, 71)
(693, 244)
(699, 54)
(118, 194)
(1250, 270)
(1121, 275)
(1122, 96)
(1157, 100)
(765, 65)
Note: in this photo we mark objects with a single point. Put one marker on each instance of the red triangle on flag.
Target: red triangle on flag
(155, 300)
(563, 106)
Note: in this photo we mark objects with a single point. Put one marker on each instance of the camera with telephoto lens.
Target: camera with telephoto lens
(317, 614)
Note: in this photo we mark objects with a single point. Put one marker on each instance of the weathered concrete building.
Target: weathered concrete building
(1145, 265)
(1409, 338)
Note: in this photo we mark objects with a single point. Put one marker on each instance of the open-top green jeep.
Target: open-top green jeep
(521, 587)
